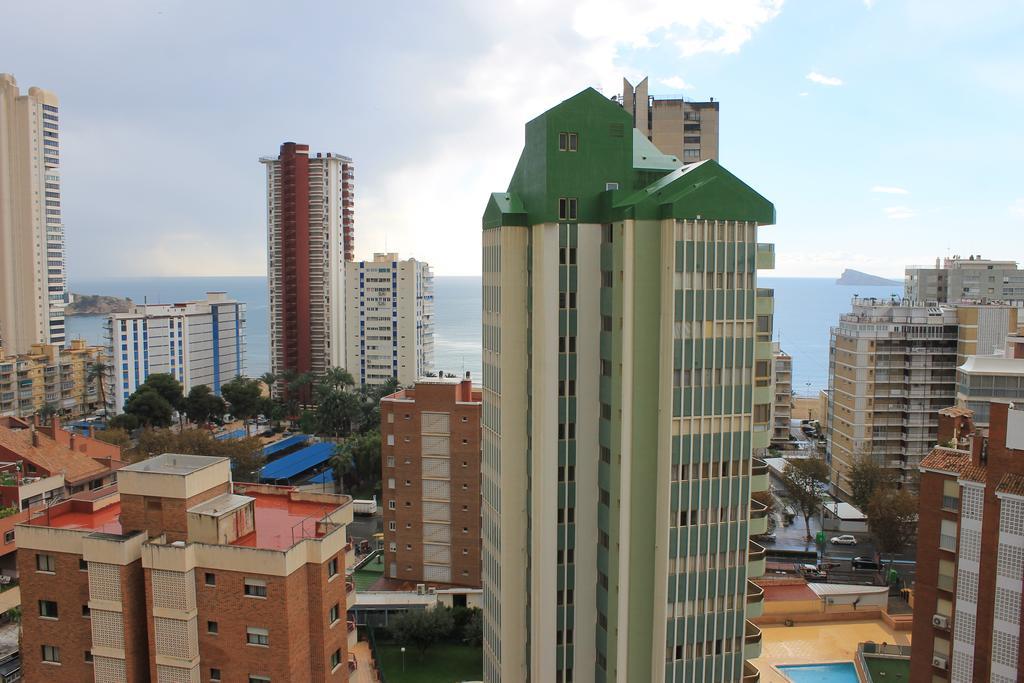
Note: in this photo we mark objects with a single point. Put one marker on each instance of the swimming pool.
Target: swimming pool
(840, 672)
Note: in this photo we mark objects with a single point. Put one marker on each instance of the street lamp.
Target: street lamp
(403, 660)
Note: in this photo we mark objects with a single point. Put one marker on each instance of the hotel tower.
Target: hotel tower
(33, 288)
(627, 383)
(310, 234)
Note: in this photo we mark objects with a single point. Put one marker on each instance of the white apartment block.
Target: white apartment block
(310, 236)
(964, 279)
(782, 410)
(390, 320)
(33, 288)
(199, 342)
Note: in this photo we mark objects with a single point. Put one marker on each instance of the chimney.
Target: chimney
(35, 437)
(35, 420)
(92, 431)
(54, 426)
(467, 388)
(979, 448)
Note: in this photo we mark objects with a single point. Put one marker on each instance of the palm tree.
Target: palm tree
(270, 379)
(341, 463)
(46, 412)
(337, 378)
(97, 372)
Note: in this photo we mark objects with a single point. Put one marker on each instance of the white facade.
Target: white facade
(198, 342)
(390, 320)
(964, 279)
(33, 288)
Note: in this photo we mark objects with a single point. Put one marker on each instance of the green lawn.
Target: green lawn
(368, 574)
(442, 663)
(893, 669)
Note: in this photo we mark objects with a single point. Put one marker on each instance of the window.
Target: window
(567, 208)
(257, 636)
(45, 563)
(211, 579)
(258, 679)
(336, 659)
(88, 656)
(86, 612)
(9, 536)
(332, 567)
(947, 535)
(392, 526)
(255, 588)
(83, 566)
(51, 654)
(391, 505)
(567, 142)
(48, 609)
(332, 614)
(215, 675)
(212, 628)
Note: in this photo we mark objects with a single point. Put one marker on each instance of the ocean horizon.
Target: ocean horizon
(805, 311)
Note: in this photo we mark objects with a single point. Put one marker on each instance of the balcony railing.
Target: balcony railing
(750, 673)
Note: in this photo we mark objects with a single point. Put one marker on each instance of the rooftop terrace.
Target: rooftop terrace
(281, 522)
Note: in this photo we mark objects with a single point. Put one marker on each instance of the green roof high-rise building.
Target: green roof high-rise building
(623, 334)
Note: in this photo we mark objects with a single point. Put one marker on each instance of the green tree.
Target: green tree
(125, 422)
(866, 478)
(805, 481)
(98, 372)
(167, 386)
(337, 378)
(341, 462)
(473, 629)
(422, 628)
(365, 450)
(246, 454)
(46, 412)
(202, 405)
(116, 436)
(244, 396)
(337, 411)
(892, 519)
(149, 407)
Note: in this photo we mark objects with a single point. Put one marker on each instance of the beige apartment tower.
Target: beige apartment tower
(965, 278)
(684, 129)
(33, 288)
(892, 367)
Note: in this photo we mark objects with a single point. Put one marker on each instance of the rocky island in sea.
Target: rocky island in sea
(96, 304)
(859, 279)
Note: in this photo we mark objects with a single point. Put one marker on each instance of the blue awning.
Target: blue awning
(237, 434)
(325, 477)
(284, 444)
(297, 463)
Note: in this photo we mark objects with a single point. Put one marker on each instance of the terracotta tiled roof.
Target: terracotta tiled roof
(49, 455)
(957, 411)
(976, 473)
(946, 459)
(1012, 484)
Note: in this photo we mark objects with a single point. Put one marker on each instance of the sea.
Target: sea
(805, 310)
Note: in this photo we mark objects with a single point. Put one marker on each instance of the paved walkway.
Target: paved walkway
(365, 672)
(818, 642)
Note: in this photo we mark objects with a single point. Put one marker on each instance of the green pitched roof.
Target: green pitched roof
(610, 152)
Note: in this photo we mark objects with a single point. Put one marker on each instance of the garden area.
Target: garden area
(442, 645)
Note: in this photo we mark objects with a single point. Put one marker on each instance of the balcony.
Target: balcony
(750, 673)
(759, 474)
(765, 256)
(758, 518)
(751, 641)
(755, 600)
(755, 559)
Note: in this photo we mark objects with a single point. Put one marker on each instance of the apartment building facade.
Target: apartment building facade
(50, 375)
(310, 236)
(782, 411)
(684, 129)
(969, 582)
(892, 366)
(198, 342)
(620, 333)
(965, 279)
(177, 574)
(33, 284)
(430, 460)
(980, 380)
(389, 320)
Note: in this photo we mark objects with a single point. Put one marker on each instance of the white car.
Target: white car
(845, 539)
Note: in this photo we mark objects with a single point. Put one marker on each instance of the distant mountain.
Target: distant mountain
(857, 278)
(94, 304)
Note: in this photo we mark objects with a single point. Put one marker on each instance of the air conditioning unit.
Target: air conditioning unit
(431, 591)
(940, 662)
(940, 621)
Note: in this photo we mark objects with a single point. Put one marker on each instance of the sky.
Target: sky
(886, 132)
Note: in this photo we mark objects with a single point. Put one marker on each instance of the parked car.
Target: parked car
(866, 563)
(845, 539)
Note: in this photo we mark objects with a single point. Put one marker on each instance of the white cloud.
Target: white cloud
(889, 189)
(676, 83)
(869, 3)
(899, 213)
(821, 79)
(1017, 208)
(804, 94)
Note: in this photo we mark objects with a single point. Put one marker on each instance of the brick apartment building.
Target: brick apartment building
(177, 574)
(970, 551)
(430, 457)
